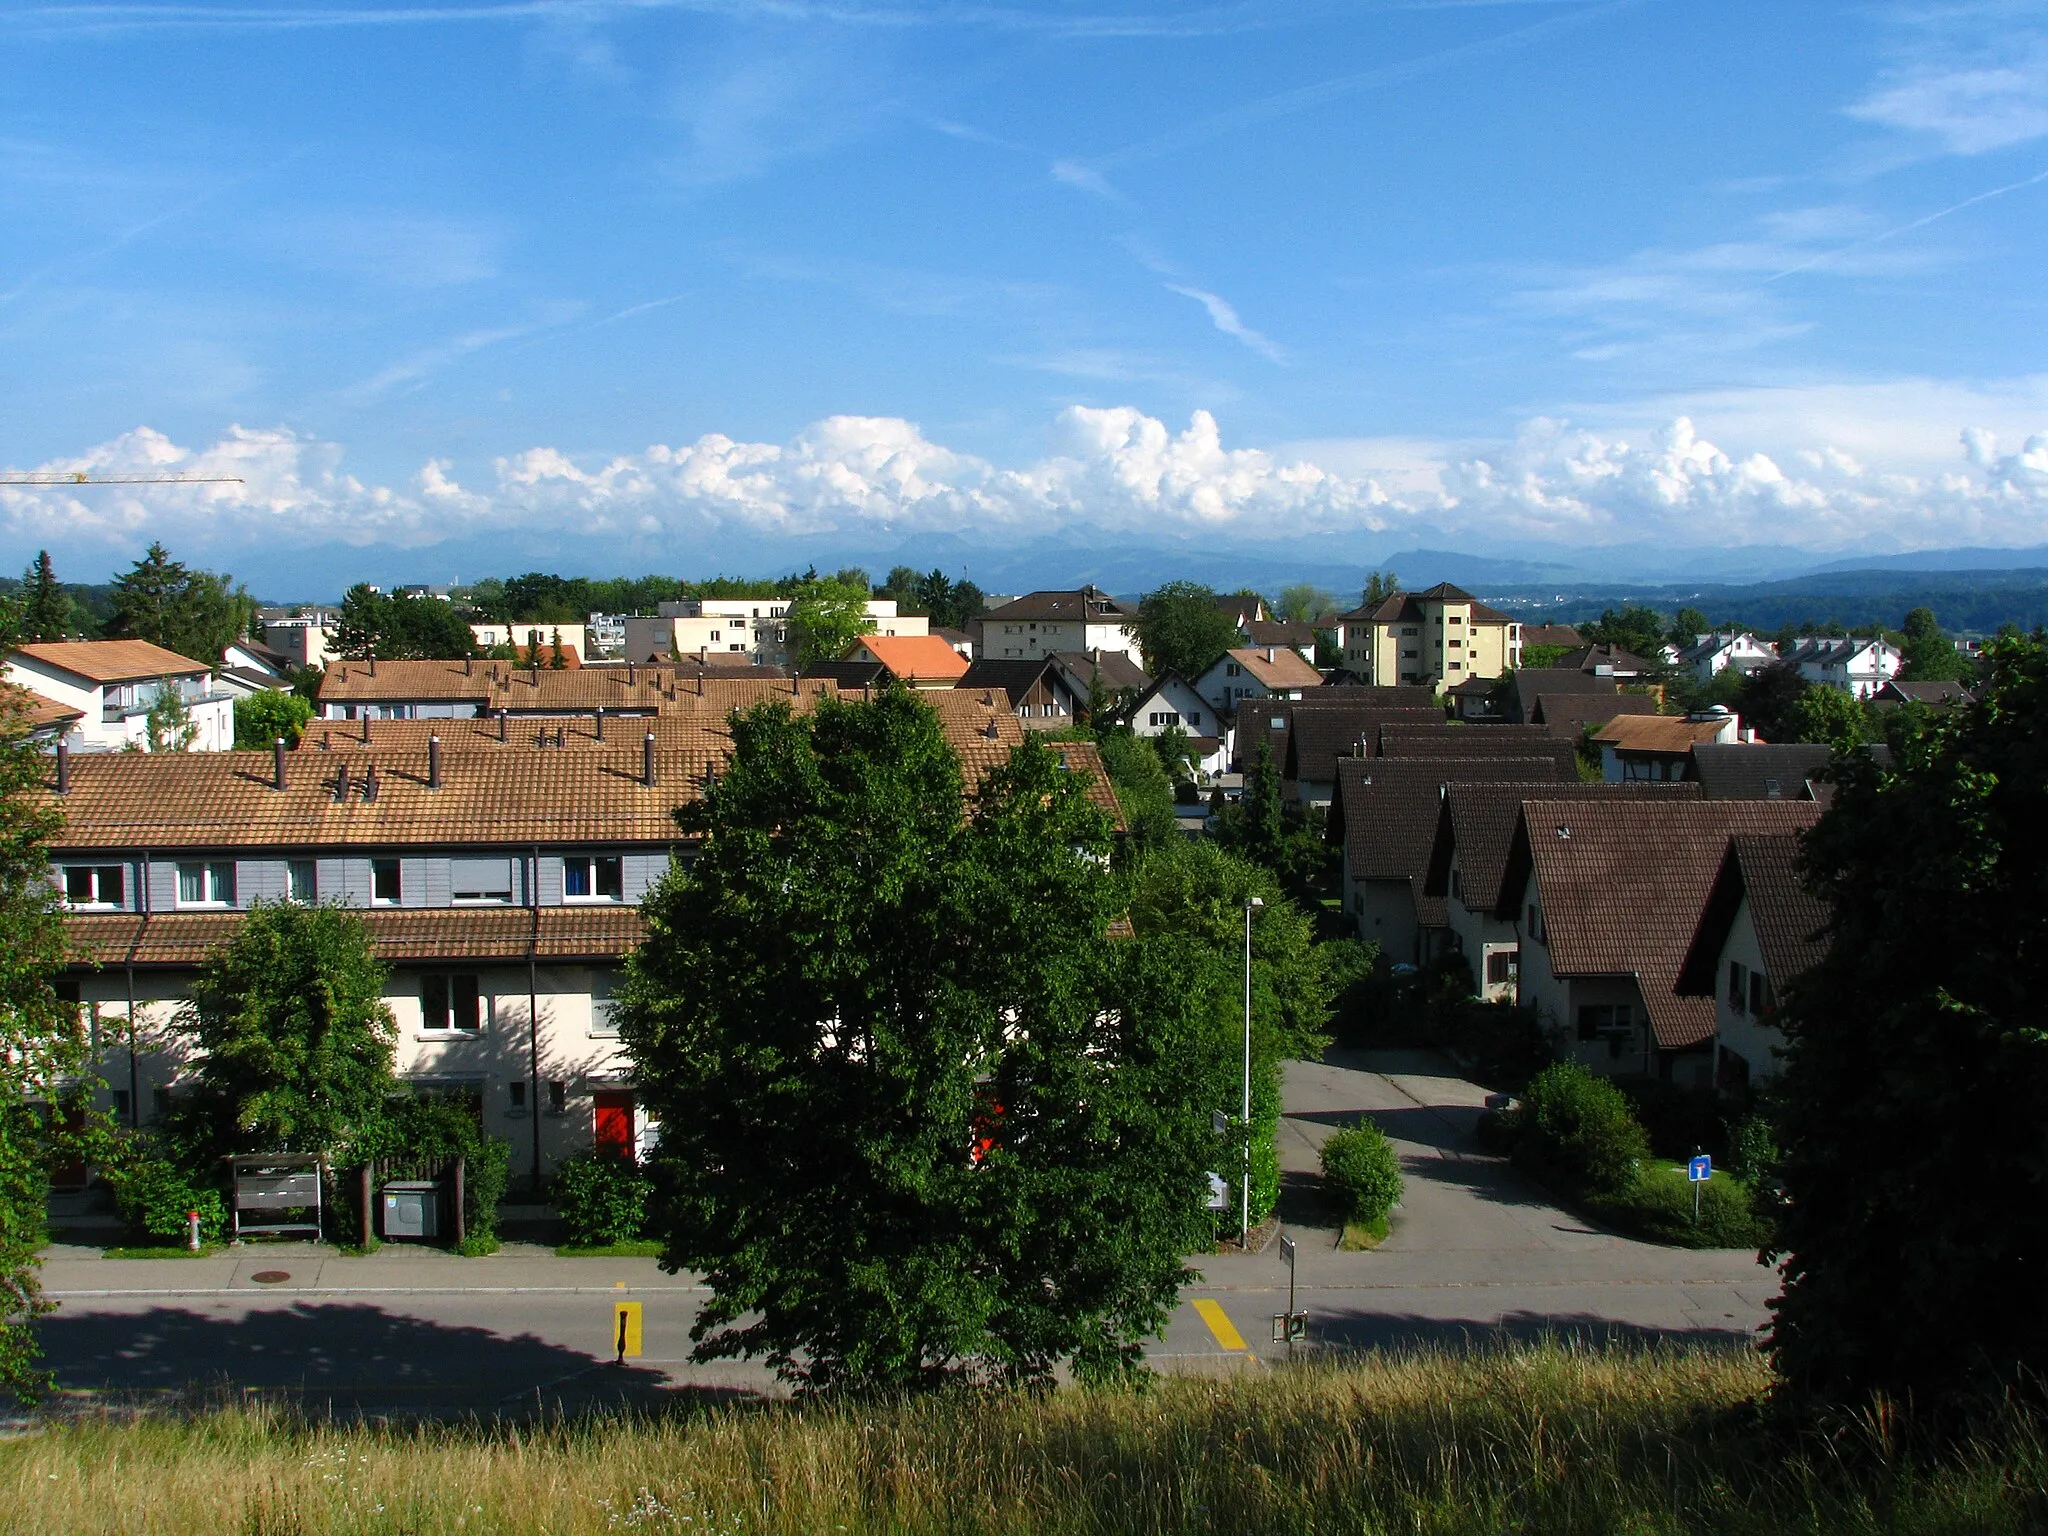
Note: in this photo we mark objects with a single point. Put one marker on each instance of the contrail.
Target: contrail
(1906, 229)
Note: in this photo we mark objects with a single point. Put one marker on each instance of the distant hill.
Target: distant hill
(1971, 602)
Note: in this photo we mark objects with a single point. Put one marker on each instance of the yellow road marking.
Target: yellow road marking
(1220, 1325)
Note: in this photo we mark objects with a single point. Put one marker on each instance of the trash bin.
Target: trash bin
(412, 1208)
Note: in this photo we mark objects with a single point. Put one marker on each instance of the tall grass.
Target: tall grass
(1540, 1439)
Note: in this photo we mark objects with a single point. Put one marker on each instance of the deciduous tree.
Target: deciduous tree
(1929, 656)
(262, 718)
(1182, 631)
(1915, 1086)
(825, 617)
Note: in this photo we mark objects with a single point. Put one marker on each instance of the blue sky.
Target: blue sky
(626, 286)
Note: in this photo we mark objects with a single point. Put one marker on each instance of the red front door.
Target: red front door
(613, 1123)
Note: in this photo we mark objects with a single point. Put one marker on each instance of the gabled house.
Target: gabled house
(247, 668)
(1659, 746)
(1468, 865)
(1383, 820)
(1256, 673)
(1857, 667)
(1934, 695)
(1711, 655)
(1608, 661)
(1242, 608)
(1331, 726)
(113, 684)
(1112, 677)
(1292, 633)
(1171, 702)
(1039, 692)
(915, 661)
(1608, 895)
(1571, 713)
(1436, 638)
(1761, 929)
(1531, 683)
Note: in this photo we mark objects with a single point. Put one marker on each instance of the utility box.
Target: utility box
(412, 1208)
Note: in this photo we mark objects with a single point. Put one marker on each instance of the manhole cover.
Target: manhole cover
(270, 1276)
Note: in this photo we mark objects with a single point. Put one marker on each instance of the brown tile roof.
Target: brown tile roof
(1789, 920)
(913, 658)
(1477, 825)
(1385, 813)
(1614, 657)
(1758, 770)
(23, 709)
(399, 934)
(1064, 608)
(112, 661)
(1480, 740)
(1113, 669)
(1574, 711)
(1288, 632)
(1317, 738)
(524, 690)
(1551, 634)
(1014, 679)
(1378, 695)
(1275, 666)
(1623, 883)
(1657, 733)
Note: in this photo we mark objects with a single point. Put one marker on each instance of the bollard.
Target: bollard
(192, 1230)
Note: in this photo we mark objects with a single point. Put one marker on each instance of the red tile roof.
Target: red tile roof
(112, 661)
(913, 658)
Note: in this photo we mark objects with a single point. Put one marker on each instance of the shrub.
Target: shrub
(154, 1195)
(602, 1199)
(1679, 1121)
(416, 1128)
(1361, 1172)
(1577, 1127)
(1657, 1204)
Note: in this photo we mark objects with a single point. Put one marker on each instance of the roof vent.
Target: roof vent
(1711, 712)
(600, 725)
(1564, 833)
(277, 764)
(992, 731)
(501, 723)
(647, 760)
(370, 784)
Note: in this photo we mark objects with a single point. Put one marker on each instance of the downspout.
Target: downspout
(533, 1012)
(134, 1069)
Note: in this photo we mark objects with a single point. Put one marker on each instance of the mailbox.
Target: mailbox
(412, 1208)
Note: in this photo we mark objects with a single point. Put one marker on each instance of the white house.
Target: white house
(1256, 672)
(751, 630)
(1172, 701)
(1711, 655)
(1039, 623)
(1857, 667)
(574, 637)
(114, 683)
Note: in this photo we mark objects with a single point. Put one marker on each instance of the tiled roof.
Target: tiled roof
(1789, 920)
(1613, 657)
(1385, 814)
(25, 709)
(111, 661)
(1289, 632)
(1574, 711)
(1551, 634)
(1623, 883)
(1114, 669)
(1275, 666)
(1063, 607)
(1658, 733)
(913, 658)
(1755, 770)
(1477, 825)
(1925, 693)
(1480, 740)
(400, 934)
(1317, 737)
(524, 690)
(1013, 679)
(517, 793)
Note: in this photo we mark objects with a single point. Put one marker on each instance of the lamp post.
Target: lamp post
(1244, 1238)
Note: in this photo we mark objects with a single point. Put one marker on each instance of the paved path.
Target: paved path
(1474, 1249)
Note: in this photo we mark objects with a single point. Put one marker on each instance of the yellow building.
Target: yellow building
(1439, 638)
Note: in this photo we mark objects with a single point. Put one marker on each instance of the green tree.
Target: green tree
(1182, 631)
(45, 610)
(168, 725)
(404, 626)
(1306, 603)
(1379, 586)
(825, 617)
(1769, 700)
(1637, 630)
(261, 718)
(907, 1083)
(1916, 1066)
(1256, 825)
(42, 1044)
(1143, 790)
(195, 613)
(294, 1042)
(1687, 625)
(1929, 656)
(364, 619)
(1830, 717)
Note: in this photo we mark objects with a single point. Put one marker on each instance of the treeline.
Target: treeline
(195, 613)
(539, 597)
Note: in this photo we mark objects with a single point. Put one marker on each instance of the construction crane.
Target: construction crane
(81, 477)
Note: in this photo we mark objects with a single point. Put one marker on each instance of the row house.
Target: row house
(1252, 674)
(1324, 728)
(500, 876)
(1711, 655)
(114, 684)
(1857, 667)
(466, 689)
(746, 631)
(1660, 747)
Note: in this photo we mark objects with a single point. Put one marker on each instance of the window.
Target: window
(384, 886)
(451, 1004)
(1603, 1020)
(1759, 995)
(1500, 967)
(516, 1093)
(480, 880)
(558, 1096)
(94, 885)
(593, 877)
(1738, 986)
(206, 885)
(302, 881)
(1230, 669)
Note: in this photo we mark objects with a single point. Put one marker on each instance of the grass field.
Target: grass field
(1535, 1439)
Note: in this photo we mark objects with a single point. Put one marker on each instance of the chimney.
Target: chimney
(501, 724)
(373, 663)
(465, 666)
(341, 785)
(63, 766)
(277, 765)
(366, 725)
(433, 762)
(370, 784)
(647, 760)
(600, 725)
(632, 674)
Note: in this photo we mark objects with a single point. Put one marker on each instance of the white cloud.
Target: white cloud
(1970, 107)
(1869, 467)
(1223, 315)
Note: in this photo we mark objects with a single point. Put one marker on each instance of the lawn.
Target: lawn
(1528, 1439)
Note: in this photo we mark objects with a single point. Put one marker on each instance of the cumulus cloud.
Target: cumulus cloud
(1114, 471)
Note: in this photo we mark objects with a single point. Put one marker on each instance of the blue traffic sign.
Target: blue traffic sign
(1700, 1169)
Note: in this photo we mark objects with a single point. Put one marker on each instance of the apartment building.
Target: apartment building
(1040, 623)
(754, 630)
(1437, 638)
(113, 685)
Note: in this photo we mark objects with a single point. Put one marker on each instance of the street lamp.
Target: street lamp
(1244, 1238)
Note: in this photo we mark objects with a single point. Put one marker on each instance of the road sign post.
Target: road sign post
(1289, 1325)
(1697, 1172)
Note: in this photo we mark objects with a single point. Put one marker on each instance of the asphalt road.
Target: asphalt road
(1474, 1251)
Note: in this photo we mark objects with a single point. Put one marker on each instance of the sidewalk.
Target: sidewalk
(319, 1269)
